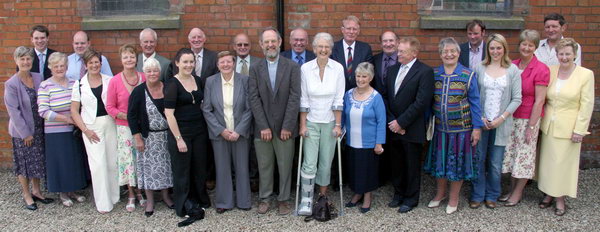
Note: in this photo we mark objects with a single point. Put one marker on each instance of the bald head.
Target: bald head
(299, 40)
(81, 42)
(196, 38)
(242, 45)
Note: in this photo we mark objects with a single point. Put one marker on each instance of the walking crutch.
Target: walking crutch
(339, 149)
(298, 176)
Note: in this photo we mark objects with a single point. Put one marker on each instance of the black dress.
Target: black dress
(189, 168)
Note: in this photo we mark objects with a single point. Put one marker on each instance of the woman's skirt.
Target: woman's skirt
(451, 156)
(363, 166)
(65, 168)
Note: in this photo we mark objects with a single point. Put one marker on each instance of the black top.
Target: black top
(137, 115)
(188, 111)
(100, 110)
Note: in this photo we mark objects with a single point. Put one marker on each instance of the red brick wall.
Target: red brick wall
(221, 21)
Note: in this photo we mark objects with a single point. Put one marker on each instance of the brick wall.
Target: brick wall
(221, 19)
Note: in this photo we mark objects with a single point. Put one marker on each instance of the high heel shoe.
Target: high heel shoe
(435, 204)
(46, 200)
(130, 207)
(560, 212)
(511, 204)
(141, 199)
(544, 204)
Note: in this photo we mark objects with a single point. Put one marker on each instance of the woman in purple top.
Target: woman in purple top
(26, 127)
(519, 158)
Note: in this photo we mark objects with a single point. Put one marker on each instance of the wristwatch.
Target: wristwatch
(177, 137)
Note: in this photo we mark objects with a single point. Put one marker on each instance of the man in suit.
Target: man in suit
(148, 40)
(76, 67)
(350, 52)
(554, 28)
(274, 92)
(39, 38)
(408, 94)
(242, 46)
(298, 42)
(206, 60)
(385, 59)
(473, 51)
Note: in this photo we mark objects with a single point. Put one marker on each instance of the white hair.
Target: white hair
(151, 63)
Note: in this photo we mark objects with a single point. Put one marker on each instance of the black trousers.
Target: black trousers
(190, 170)
(406, 176)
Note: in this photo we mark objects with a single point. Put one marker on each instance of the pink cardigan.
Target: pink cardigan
(117, 98)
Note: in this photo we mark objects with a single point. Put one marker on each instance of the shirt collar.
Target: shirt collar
(346, 46)
(247, 59)
(201, 53)
(477, 49)
(151, 56)
(302, 54)
(315, 65)
(38, 53)
(394, 56)
(410, 64)
(230, 82)
(273, 62)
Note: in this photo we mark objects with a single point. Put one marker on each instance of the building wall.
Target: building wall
(221, 19)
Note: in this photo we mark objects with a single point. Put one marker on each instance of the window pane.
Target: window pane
(129, 7)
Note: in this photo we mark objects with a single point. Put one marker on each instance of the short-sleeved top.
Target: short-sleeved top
(187, 105)
(536, 73)
(495, 88)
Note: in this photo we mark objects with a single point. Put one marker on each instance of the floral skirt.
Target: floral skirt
(125, 156)
(451, 156)
(519, 157)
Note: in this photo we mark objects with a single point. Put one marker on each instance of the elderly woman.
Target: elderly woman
(229, 117)
(65, 169)
(188, 140)
(26, 128)
(99, 132)
(452, 152)
(321, 105)
(568, 111)
(117, 102)
(519, 158)
(364, 119)
(149, 127)
(500, 95)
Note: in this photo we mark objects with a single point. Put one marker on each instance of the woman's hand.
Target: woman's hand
(139, 143)
(337, 131)
(576, 138)
(28, 141)
(303, 131)
(528, 135)
(378, 149)
(122, 116)
(475, 137)
(92, 136)
(181, 146)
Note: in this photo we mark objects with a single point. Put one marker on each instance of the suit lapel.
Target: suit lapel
(390, 85)
(342, 54)
(279, 75)
(218, 90)
(263, 67)
(237, 89)
(411, 73)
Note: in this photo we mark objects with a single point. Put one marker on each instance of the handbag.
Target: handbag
(322, 210)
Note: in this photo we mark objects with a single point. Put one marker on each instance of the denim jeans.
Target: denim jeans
(487, 185)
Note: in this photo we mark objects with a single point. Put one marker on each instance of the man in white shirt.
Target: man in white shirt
(76, 65)
(206, 60)
(242, 46)
(148, 41)
(554, 27)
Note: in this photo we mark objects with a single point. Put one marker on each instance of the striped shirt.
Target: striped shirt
(54, 99)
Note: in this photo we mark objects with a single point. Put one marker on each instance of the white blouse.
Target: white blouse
(494, 89)
(321, 98)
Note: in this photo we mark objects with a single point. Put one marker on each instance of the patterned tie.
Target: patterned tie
(400, 78)
(244, 67)
(42, 60)
(386, 65)
(199, 65)
(300, 60)
(349, 62)
(82, 69)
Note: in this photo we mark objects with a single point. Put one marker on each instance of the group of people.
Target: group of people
(149, 126)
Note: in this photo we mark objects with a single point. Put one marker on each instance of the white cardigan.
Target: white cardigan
(89, 102)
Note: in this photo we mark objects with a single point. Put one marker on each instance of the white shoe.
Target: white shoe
(435, 204)
(450, 209)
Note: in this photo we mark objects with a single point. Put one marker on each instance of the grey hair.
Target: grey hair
(56, 57)
(260, 37)
(365, 68)
(23, 51)
(351, 18)
(448, 41)
(531, 36)
(323, 35)
(151, 63)
(149, 30)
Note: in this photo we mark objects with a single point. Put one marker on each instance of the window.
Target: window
(471, 7)
(129, 7)
(130, 14)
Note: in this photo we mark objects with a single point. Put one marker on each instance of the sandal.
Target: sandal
(544, 204)
(78, 198)
(130, 207)
(141, 199)
(66, 201)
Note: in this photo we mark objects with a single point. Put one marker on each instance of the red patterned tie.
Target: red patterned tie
(349, 62)
(82, 70)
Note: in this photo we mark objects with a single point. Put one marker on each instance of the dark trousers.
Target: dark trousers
(189, 171)
(406, 176)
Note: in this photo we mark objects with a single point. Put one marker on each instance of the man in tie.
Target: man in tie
(408, 94)
(274, 92)
(148, 41)
(242, 46)
(350, 52)
(473, 51)
(298, 42)
(554, 28)
(39, 38)
(385, 59)
(206, 60)
(76, 67)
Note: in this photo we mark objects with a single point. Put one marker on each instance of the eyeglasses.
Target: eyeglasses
(243, 45)
(449, 52)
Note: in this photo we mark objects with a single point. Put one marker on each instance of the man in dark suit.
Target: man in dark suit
(473, 51)
(39, 38)
(298, 42)
(242, 46)
(385, 59)
(206, 60)
(148, 41)
(350, 52)
(408, 94)
(274, 92)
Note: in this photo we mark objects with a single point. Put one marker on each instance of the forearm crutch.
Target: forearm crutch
(339, 149)
(298, 176)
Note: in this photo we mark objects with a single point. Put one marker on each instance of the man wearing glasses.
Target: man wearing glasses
(242, 47)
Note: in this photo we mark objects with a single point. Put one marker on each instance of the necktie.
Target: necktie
(299, 60)
(400, 78)
(199, 65)
(386, 65)
(42, 60)
(349, 62)
(82, 68)
(244, 67)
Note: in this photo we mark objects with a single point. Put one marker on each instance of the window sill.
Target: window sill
(459, 22)
(131, 22)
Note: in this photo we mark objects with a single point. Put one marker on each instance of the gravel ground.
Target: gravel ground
(583, 214)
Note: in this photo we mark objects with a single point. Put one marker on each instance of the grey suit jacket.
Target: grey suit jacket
(212, 106)
(275, 107)
(164, 64)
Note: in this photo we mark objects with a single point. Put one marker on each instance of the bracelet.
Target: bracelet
(178, 137)
(338, 124)
(502, 116)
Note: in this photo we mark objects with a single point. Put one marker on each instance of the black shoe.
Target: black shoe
(149, 213)
(31, 207)
(188, 221)
(171, 206)
(351, 204)
(395, 202)
(365, 210)
(405, 209)
(46, 200)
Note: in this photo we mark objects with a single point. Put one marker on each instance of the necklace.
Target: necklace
(134, 84)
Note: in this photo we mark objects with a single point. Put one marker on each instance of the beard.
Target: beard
(271, 54)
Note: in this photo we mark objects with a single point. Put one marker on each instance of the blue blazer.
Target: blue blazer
(362, 53)
(309, 55)
(464, 54)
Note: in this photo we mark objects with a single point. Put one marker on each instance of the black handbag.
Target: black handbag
(322, 211)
